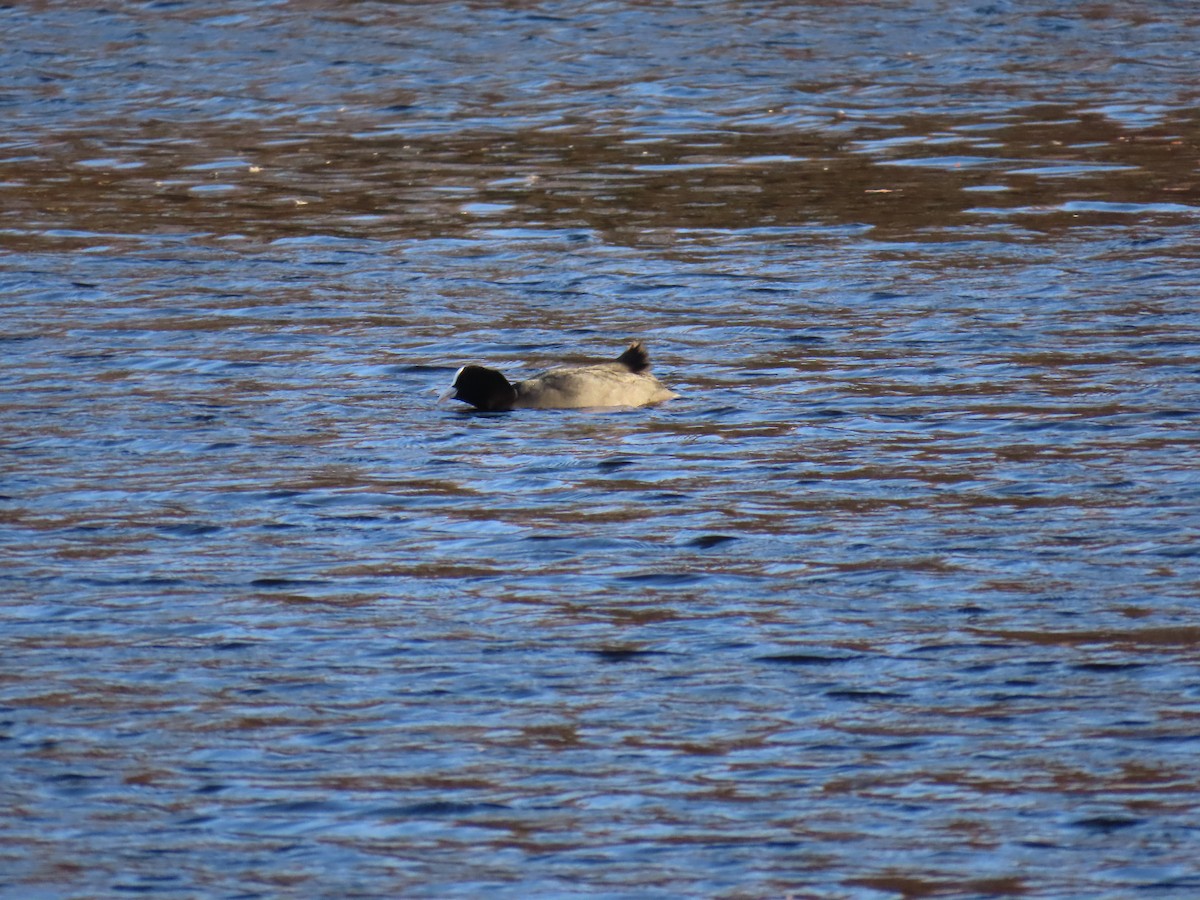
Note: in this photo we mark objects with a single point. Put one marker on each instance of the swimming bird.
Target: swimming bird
(626, 381)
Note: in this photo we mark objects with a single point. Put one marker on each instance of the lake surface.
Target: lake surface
(899, 599)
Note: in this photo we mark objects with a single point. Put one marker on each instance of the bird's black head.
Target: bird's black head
(484, 389)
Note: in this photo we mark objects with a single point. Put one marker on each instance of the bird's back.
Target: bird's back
(607, 384)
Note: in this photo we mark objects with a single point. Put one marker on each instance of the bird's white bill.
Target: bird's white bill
(448, 393)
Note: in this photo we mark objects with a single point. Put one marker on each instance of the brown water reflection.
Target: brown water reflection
(1046, 169)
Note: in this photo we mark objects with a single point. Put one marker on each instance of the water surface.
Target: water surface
(898, 600)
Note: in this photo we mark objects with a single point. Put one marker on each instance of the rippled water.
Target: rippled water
(898, 600)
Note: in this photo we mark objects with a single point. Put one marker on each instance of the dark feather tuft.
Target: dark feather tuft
(635, 359)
